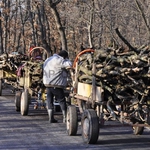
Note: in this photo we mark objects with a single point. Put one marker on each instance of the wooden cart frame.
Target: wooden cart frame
(30, 83)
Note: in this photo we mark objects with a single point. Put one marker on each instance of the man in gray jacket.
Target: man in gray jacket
(55, 79)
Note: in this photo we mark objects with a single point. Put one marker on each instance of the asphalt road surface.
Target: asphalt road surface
(33, 132)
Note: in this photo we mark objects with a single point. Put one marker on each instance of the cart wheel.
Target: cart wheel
(17, 100)
(24, 103)
(90, 126)
(0, 87)
(72, 120)
(138, 130)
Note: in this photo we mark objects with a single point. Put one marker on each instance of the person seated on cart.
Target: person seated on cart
(35, 54)
(55, 80)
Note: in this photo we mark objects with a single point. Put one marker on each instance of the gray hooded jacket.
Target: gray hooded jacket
(54, 71)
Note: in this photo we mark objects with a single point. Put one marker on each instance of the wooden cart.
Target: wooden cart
(9, 64)
(89, 98)
(30, 80)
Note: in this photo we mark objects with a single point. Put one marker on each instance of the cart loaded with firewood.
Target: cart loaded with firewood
(9, 63)
(110, 84)
(29, 78)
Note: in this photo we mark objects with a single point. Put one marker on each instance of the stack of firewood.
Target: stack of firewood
(12, 61)
(122, 74)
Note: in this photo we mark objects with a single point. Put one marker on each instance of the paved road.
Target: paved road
(33, 132)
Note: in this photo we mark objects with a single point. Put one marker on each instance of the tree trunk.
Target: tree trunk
(1, 37)
(58, 23)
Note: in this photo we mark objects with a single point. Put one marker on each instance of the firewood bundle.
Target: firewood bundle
(124, 75)
(35, 70)
(11, 61)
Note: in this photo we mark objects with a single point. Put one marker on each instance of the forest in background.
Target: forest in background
(73, 24)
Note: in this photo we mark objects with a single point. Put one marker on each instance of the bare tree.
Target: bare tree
(1, 32)
(53, 6)
(146, 21)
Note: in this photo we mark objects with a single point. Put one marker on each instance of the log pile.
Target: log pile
(35, 70)
(124, 75)
(11, 62)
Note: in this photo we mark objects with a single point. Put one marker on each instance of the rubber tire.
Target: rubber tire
(18, 100)
(72, 120)
(0, 87)
(24, 103)
(90, 126)
(138, 130)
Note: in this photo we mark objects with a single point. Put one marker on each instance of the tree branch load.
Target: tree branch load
(129, 70)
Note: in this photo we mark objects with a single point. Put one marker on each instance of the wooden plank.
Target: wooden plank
(85, 90)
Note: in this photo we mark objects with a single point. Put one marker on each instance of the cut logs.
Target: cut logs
(124, 75)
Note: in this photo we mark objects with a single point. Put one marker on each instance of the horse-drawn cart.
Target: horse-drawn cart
(98, 103)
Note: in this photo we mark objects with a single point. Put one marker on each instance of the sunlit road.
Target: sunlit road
(33, 132)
